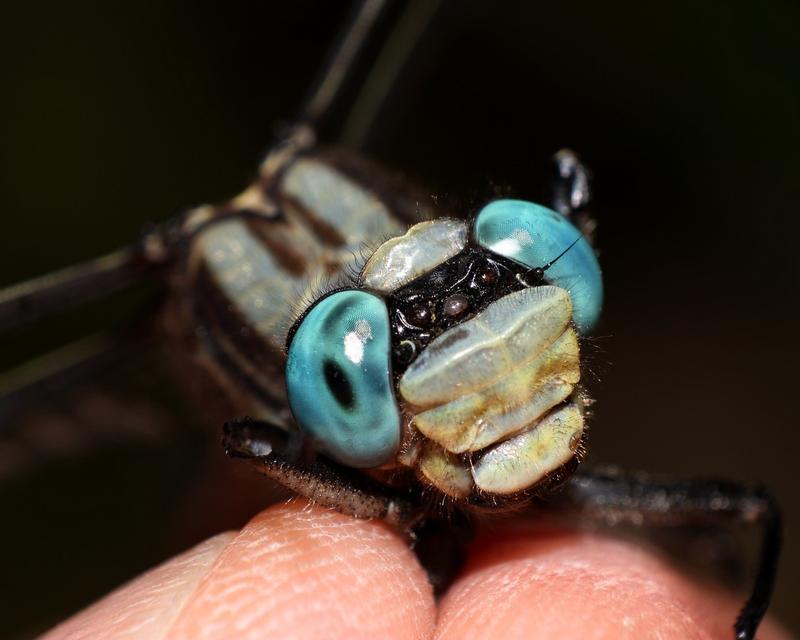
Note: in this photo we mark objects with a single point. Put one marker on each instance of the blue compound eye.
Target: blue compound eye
(339, 379)
(533, 236)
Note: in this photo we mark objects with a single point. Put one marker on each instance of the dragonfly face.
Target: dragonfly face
(450, 357)
(457, 354)
(451, 360)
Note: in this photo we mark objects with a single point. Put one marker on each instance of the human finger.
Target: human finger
(294, 571)
(570, 585)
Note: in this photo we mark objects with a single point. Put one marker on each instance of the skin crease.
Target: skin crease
(299, 571)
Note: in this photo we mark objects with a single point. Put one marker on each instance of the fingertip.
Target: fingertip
(294, 571)
(582, 586)
(148, 605)
(298, 571)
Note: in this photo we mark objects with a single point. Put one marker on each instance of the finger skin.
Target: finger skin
(579, 586)
(148, 605)
(297, 571)
(294, 571)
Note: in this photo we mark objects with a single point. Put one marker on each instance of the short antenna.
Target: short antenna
(538, 272)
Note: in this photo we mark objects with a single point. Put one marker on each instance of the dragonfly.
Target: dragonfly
(434, 378)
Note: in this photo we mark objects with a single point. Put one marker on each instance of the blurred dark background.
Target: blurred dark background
(118, 115)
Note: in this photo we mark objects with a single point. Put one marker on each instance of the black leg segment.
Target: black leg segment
(438, 540)
(286, 458)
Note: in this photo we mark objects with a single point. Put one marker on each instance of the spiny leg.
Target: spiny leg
(286, 458)
(28, 301)
(612, 498)
(439, 543)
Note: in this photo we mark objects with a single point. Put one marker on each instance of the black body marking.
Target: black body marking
(446, 296)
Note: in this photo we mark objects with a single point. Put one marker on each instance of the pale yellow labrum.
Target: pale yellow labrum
(477, 420)
(445, 471)
(523, 460)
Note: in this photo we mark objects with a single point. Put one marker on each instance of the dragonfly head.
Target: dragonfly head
(457, 355)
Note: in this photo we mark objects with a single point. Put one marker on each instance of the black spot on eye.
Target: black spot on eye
(338, 384)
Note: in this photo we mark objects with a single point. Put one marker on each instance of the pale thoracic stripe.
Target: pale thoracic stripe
(250, 277)
(355, 213)
(264, 269)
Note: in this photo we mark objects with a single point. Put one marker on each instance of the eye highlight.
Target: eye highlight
(534, 235)
(339, 379)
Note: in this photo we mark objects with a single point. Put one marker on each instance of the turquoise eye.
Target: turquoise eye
(339, 379)
(534, 235)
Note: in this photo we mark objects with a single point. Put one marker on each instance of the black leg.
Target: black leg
(380, 83)
(439, 540)
(286, 458)
(357, 79)
(22, 388)
(571, 190)
(612, 498)
(343, 58)
(55, 292)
